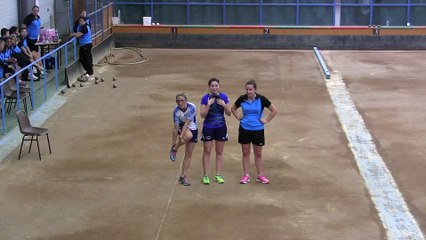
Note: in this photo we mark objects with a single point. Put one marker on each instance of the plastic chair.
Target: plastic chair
(10, 93)
(29, 131)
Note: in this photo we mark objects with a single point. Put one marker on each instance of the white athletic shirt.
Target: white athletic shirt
(180, 117)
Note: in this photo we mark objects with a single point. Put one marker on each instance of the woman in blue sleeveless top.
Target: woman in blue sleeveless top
(84, 36)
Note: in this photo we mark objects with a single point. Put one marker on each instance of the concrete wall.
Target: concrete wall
(9, 13)
(47, 13)
(271, 41)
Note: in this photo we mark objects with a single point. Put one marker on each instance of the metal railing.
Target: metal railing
(29, 68)
(69, 48)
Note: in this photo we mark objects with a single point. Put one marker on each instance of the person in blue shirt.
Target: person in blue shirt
(22, 59)
(4, 33)
(2, 74)
(185, 132)
(251, 130)
(14, 31)
(213, 106)
(84, 36)
(6, 58)
(33, 24)
(23, 45)
(83, 13)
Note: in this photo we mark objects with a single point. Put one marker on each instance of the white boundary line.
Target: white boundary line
(388, 200)
(166, 209)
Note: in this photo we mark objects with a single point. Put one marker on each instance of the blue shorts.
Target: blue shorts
(218, 134)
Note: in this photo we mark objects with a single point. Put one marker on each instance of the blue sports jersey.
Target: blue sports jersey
(215, 117)
(22, 42)
(1, 71)
(252, 111)
(6, 55)
(3, 64)
(87, 35)
(180, 117)
(2, 57)
(34, 28)
(16, 49)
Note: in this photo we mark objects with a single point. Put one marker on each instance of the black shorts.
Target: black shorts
(256, 137)
(32, 44)
(218, 134)
(194, 134)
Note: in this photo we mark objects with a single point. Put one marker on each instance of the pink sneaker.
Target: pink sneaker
(262, 179)
(245, 179)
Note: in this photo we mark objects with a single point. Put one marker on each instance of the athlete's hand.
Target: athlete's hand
(263, 120)
(220, 102)
(210, 101)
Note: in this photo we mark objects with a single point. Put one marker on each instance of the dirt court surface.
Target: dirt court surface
(109, 176)
(389, 91)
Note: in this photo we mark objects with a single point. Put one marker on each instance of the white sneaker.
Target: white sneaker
(34, 77)
(87, 75)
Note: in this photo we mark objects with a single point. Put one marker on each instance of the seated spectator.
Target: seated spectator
(22, 59)
(14, 30)
(22, 44)
(9, 62)
(4, 75)
(4, 33)
(6, 57)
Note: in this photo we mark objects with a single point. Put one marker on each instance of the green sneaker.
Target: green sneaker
(219, 179)
(206, 180)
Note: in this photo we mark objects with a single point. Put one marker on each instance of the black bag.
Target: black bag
(50, 63)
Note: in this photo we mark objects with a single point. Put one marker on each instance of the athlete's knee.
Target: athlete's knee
(188, 136)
